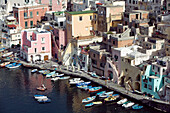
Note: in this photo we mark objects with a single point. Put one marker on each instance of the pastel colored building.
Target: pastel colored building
(153, 78)
(54, 5)
(80, 23)
(29, 15)
(35, 45)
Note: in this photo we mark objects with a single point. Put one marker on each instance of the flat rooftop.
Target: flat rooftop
(81, 12)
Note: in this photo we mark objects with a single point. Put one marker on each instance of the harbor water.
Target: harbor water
(18, 86)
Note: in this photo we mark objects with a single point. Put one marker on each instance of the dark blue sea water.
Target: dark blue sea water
(18, 86)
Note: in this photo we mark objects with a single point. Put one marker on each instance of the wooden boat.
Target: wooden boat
(64, 78)
(4, 64)
(89, 105)
(100, 93)
(136, 106)
(95, 89)
(107, 94)
(88, 99)
(83, 83)
(76, 82)
(44, 100)
(40, 96)
(97, 102)
(85, 87)
(122, 101)
(50, 74)
(112, 98)
(54, 79)
(34, 70)
(7, 54)
(75, 79)
(128, 104)
(42, 88)
(13, 65)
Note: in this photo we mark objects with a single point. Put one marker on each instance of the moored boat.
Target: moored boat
(44, 100)
(75, 79)
(97, 102)
(112, 98)
(42, 88)
(13, 65)
(40, 96)
(4, 64)
(89, 105)
(85, 87)
(50, 74)
(122, 101)
(95, 89)
(136, 106)
(105, 95)
(34, 70)
(7, 54)
(76, 82)
(64, 78)
(88, 99)
(101, 92)
(54, 79)
(129, 104)
(83, 83)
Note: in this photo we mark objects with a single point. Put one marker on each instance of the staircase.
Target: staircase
(115, 72)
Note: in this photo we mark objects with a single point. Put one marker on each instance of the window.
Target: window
(95, 16)
(145, 85)
(116, 57)
(25, 15)
(113, 42)
(158, 69)
(35, 49)
(150, 87)
(154, 46)
(80, 18)
(37, 13)
(26, 24)
(86, 28)
(31, 14)
(68, 18)
(31, 23)
(90, 17)
(61, 23)
(35, 44)
(43, 48)
(126, 70)
(50, 2)
(150, 80)
(153, 67)
(43, 40)
(93, 55)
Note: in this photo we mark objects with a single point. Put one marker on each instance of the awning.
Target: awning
(98, 3)
(11, 26)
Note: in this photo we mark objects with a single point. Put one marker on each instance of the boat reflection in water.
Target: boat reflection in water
(17, 88)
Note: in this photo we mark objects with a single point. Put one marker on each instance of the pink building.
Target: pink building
(35, 45)
(54, 5)
(28, 15)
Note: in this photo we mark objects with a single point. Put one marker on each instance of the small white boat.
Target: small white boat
(54, 79)
(122, 101)
(64, 78)
(7, 54)
(88, 99)
(45, 100)
(42, 88)
(59, 75)
(4, 64)
(13, 65)
(40, 96)
(107, 94)
(50, 74)
(75, 79)
(76, 82)
(128, 104)
(34, 70)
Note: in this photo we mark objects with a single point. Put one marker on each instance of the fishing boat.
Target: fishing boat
(95, 89)
(97, 102)
(100, 93)
(7, 54)
(136, 106)
(85, 87)
(13, 65)
(64, 78)
(34, 70)
(122, 101)
(112, 98)
(88, 99)
(83, 83)
(50, 74)
(42, 71)
(107, 94)
(4, 64)
(44, 100)
(46, 72)
(75, 79)
(129, 104)
(59, 75)
(54, 79)
(40, 96)
(76, 82)
(89, 105)
(41, 88)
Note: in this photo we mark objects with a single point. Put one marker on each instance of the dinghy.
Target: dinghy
(34, 70)
(13, 65)
(7, 54)
(88, 99)
(40, 96)
(100, 93)
(64, 78)
(95, 89)
(97, 102)
(42, 88)
(129, 104)
(76, 82)
(54, 79)
(105, 95)
(45, 100)
(89, 105)
(136, 106)
(122, 101)
(85, 87)
(50, 74)
(83, 83)
(75, 79)
(4, 64)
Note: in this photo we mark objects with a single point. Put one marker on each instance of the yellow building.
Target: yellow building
(80, 23)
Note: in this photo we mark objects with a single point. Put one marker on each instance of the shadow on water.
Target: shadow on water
(18, 86)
